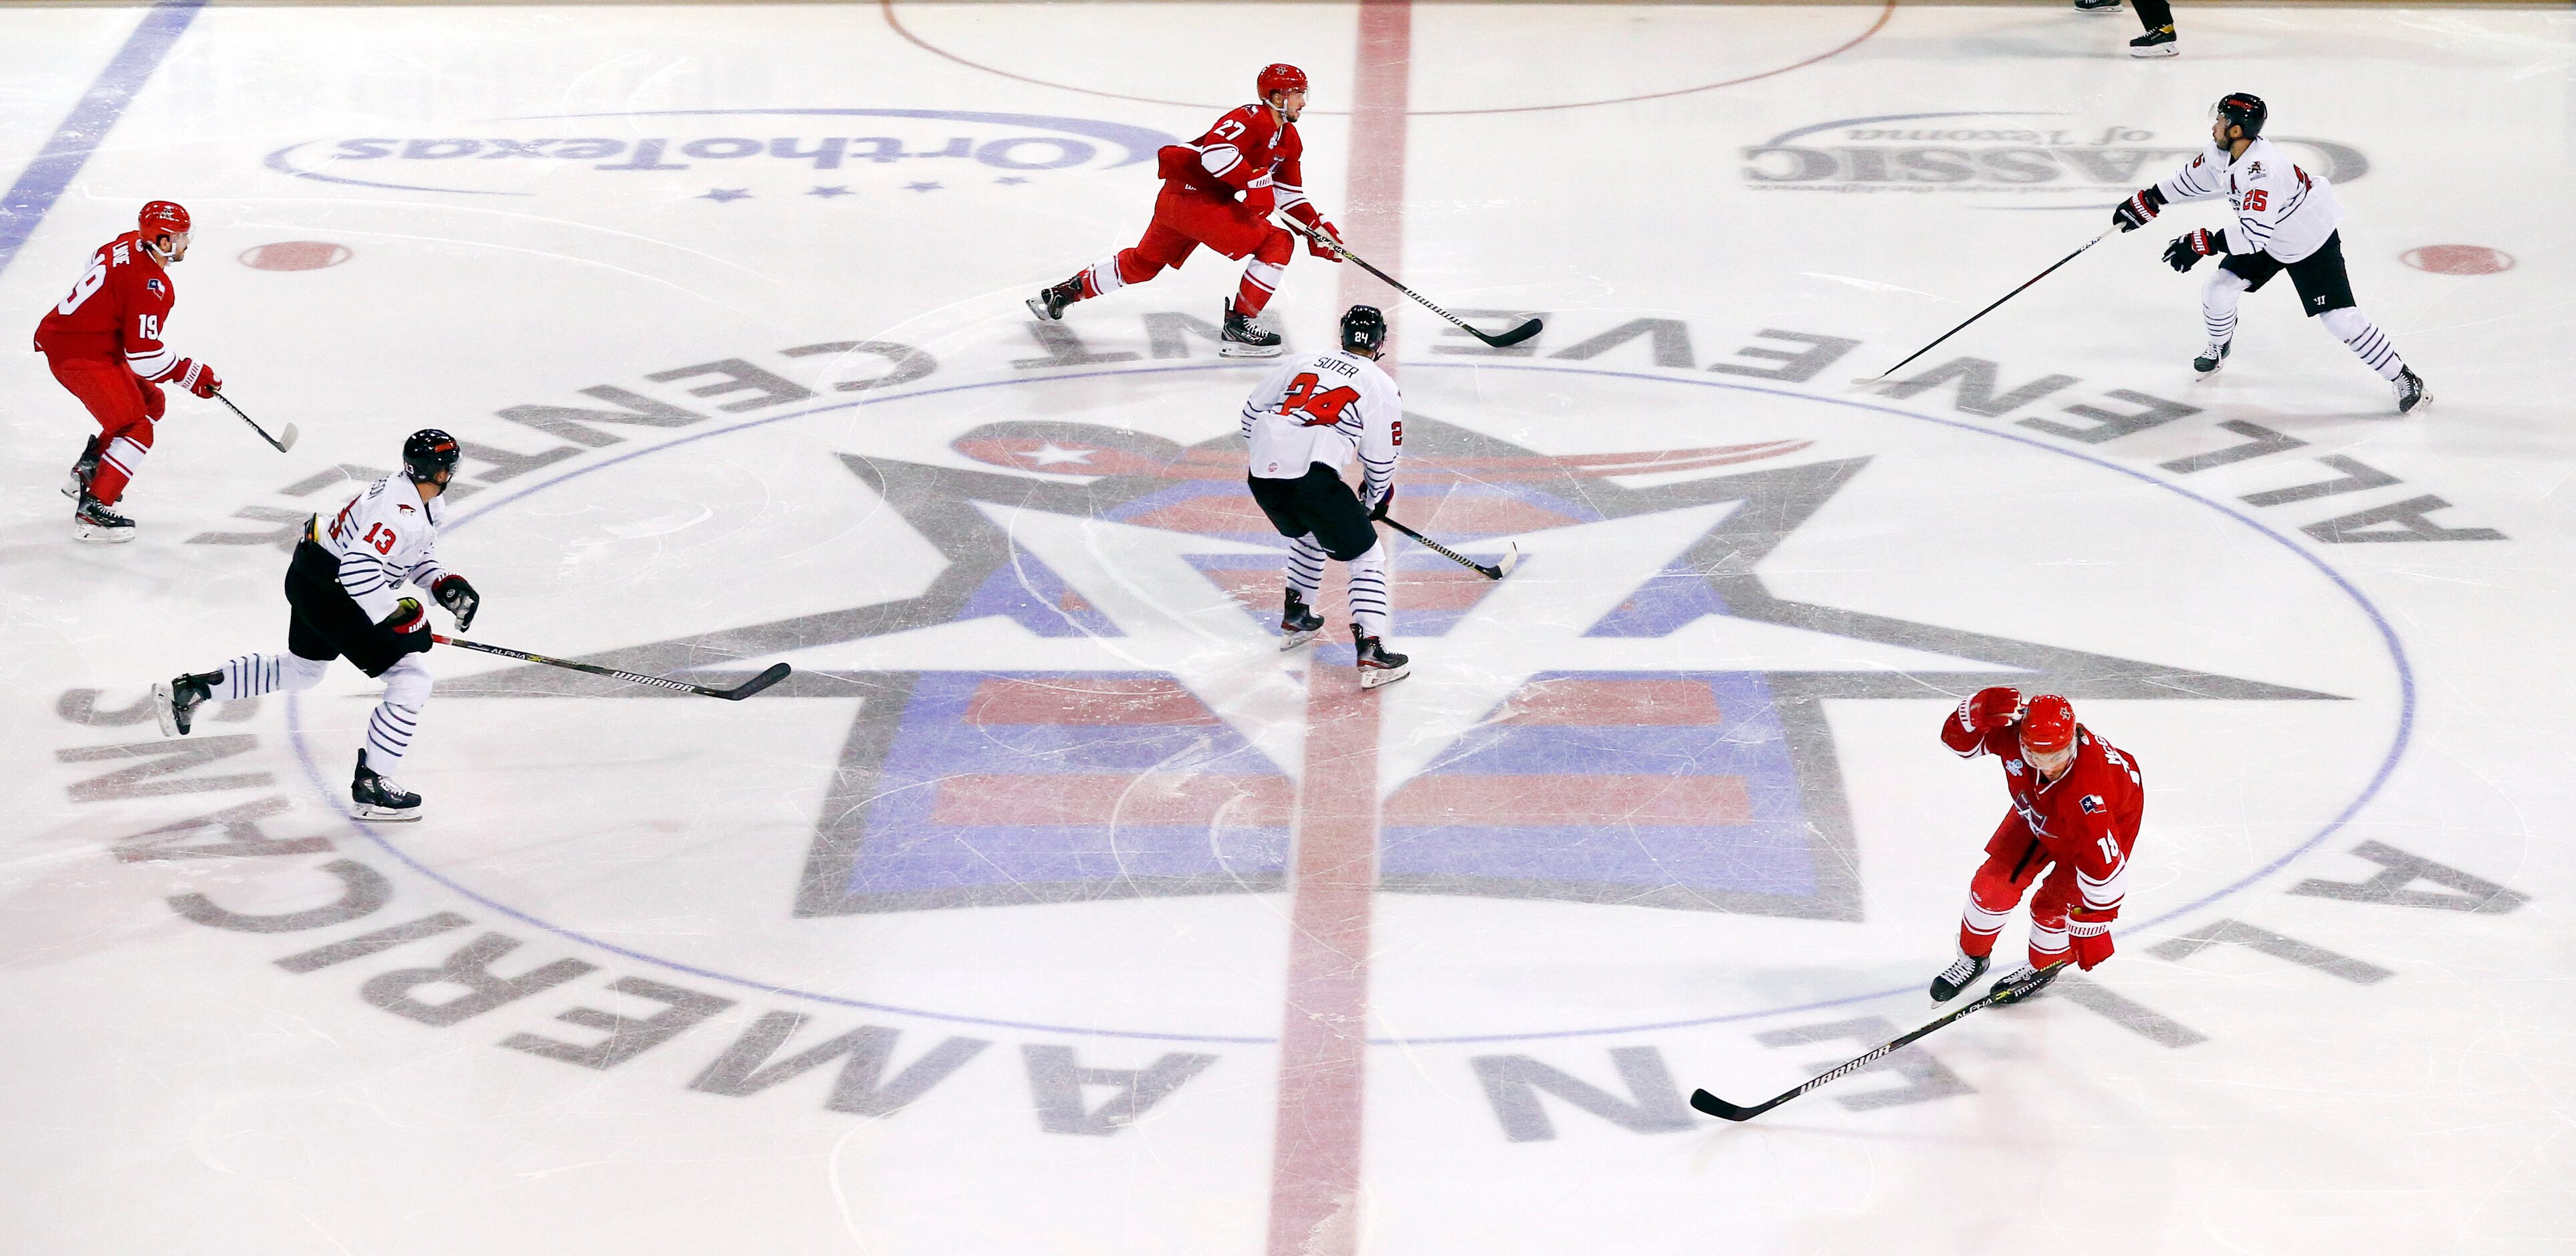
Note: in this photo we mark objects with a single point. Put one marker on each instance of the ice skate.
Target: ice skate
(1377, 666)
(2212, 357)
(2160, 42)
(1960, 975)
(1049, 303)
(1244, 338)
(2411, 394)
(176, 702)
(376, 797)
(77, 487)
(97, 524)
(1298, 623)
(2097, 6)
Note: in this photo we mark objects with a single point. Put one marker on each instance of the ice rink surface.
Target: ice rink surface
(1049, 908)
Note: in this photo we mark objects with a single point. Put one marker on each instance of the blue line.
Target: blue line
(2387, 766)
(86, 126)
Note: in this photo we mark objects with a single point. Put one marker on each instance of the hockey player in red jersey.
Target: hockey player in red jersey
(103, 342)
(2077, 801)
(1219, 190)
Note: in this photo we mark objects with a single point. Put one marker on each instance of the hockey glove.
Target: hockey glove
(1325, 241)
(196, 377)
(2134, 212)
(1385, 500)
(2090, 932)
(1991, 708)
(1261, 199)
(409, 624)
(2188, 248)
(460, 599)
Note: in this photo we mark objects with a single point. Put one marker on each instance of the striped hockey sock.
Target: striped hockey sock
(1368, 591)
(1306, 568)
(2365, 339)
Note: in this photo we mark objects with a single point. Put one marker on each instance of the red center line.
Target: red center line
(1323, 1038)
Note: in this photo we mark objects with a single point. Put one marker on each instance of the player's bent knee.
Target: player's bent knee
(1993, 888)
(1135, 267)
(407, 683)
(297, 673)
(1276, 247)
(2345, 322)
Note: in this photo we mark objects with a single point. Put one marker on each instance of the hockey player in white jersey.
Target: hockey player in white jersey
(1304, 422)
(2285, 220)
(343, 590)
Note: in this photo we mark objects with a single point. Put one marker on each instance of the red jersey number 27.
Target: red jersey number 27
(1318, 408)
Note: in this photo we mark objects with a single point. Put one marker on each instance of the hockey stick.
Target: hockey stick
(2012, 989)
(285, 441)
(1496, 572)
(776, 673)
(1504, 341)
(2106, 234)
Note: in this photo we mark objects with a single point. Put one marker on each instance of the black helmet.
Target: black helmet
(429, 452)
(1363, 329)
(2243, 109)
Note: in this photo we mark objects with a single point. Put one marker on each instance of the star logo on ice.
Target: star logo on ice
(1087, 701)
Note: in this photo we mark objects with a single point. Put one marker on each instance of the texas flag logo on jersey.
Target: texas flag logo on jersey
(154, 286)
(2092, 804)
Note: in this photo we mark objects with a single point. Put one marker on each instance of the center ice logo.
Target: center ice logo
(1083, 704)
(521, 156)
(2021, 154)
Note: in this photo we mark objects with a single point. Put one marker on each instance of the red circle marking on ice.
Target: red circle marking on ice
(2458, 259)
(1886, 10)
(295, 255)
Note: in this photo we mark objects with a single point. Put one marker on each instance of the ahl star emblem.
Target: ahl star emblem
(1087, 702)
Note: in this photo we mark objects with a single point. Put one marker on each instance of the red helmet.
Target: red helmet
(2047, 724)
(1279, 78)
(161, 218)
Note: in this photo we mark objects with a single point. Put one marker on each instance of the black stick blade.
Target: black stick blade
(1514, 336)
(1720, 1108)
(776, 673)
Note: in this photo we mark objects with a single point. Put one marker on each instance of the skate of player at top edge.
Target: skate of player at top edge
(1219, 191)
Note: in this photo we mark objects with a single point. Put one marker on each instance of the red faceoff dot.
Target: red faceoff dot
(300, 255)
(2458, 259)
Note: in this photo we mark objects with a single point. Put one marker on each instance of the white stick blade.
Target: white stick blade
(1510, 560)
(286, 439)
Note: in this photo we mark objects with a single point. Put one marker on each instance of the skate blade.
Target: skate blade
(1291, 640)
(384, 815)
(1233, 350)
(105, 536)
(1373, 677)
(1038, 306)
(166, 705)
(2160, 50)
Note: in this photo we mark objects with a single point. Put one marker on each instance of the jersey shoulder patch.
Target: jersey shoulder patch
(2092, 804)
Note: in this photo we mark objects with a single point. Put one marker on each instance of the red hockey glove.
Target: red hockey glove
(1991, 708)
(1326, 242)
(2090, 932)
(2134, 212)
(196, 377)
(1261, 200)
(408, 619)
(458, 596)
(2188, 248)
